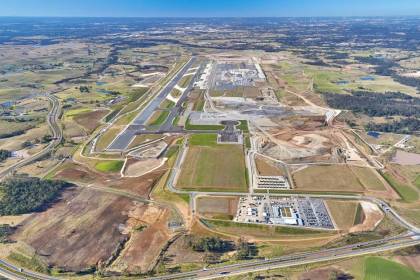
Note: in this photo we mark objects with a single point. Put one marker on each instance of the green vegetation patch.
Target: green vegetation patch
(160, 119)
(22, 195)
(243, 125)
(5, 154)
(5, 231)
(203, 139)
(109, 165)
(377, 268)
(189, 126)
(32, 263)
(360, 215)
(417, 182)
(407, 193)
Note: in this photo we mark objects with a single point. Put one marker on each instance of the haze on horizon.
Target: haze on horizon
(208, 8)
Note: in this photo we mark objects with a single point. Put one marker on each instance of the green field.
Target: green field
(189, 126)
(109, 165)
(407, 193)
(158, 118)
(377, 268)
(417, 181)
(203, 139)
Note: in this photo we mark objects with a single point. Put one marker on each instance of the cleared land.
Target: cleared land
(266, 168)
(90, 120)
(217, 207)
(79, 231)
(149, 234)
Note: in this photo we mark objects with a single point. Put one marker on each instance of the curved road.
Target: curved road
(52, 120)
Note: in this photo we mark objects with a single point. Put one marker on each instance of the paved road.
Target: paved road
(122, 141)
(7, 270)
(52, 120)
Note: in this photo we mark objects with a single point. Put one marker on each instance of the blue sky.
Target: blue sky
(206, 8)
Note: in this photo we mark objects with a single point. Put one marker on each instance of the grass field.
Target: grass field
(109, 165)
(203, 139)
(368, 179)
(377, 268)
(107, 138)
(260, 231)
(331, 178)
(189, 126)
(158, 118)
(406, 193)
(204, 169)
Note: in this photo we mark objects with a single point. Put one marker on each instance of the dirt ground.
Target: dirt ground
(142, 250)
(214, 206)
(267, 168)
(90, 120)
(298, 138)
(136, 168)
(181, 252)
(320, 274)
(410, 261)
(137, 185)
(373, 216)
(79, 231)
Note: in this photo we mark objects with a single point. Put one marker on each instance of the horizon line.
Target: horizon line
(215, 17)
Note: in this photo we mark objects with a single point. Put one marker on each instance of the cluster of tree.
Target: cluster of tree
(404, 126)
(376, 104)
(46, 138)
(5, 154)
(5, 231)
(385, 66)
(408, 81)
(12, 134)
(246, 250)
(27, 194)
(84, 89)
(210, 244)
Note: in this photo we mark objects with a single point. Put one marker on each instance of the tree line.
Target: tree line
(22, 195)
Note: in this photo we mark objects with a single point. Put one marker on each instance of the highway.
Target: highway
(57, 136)
(294, 260)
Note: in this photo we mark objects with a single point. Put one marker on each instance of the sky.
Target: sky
(208, 8)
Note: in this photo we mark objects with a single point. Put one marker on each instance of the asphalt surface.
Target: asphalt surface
(122, 141)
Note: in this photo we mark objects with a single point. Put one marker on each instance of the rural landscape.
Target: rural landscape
(202, 148)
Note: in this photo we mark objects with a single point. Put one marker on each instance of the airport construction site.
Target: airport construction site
(241, 109)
